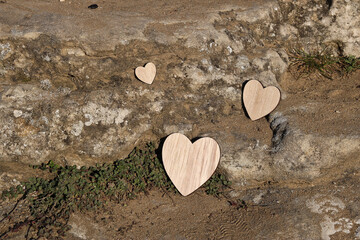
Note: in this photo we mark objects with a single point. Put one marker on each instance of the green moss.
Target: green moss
(51, 201)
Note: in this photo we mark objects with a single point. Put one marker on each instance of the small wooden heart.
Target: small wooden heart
(189, 165)
(147, 73)
(260, 101)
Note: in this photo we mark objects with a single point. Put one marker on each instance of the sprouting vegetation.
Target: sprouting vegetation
(349, 63)
(51, 201)
(323, 63)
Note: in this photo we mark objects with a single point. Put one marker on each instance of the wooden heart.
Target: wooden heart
(147, 73)
(189, 165)
(260, 101)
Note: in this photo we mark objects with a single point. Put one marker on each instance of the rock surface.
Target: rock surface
(68, 90)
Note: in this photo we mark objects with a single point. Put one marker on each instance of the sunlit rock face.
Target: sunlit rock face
(68, 90)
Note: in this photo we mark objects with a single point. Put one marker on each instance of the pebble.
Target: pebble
(17, 113)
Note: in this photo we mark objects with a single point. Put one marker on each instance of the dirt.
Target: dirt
(268, 212)
(332, 104)
(276, 216)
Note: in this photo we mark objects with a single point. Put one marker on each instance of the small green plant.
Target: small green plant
(319, 62)
(215, 185)
(322, 62)
(349, 63)
(51, 201)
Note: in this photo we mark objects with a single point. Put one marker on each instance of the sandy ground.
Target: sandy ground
(268, 212)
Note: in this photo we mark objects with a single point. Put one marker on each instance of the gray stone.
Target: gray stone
(345, 25)
(5, 51)
(17, 113)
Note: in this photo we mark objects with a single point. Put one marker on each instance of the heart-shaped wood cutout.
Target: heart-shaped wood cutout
(147, 73)
(189, 165)
(260, 101)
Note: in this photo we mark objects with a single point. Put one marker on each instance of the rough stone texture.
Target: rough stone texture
(68, 90)
(68, 93)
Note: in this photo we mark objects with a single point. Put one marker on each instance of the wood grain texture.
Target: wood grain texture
(189, 165)
(260, 101)
(146, 74)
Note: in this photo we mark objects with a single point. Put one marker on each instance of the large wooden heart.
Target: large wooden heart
(260, 101)
(189, 165)
(147, 73)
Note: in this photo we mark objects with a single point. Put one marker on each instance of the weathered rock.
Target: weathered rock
(68, 93)
(74, 98)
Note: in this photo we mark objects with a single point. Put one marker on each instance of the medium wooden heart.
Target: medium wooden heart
(260, 101)
(189, 165)
(147, 73)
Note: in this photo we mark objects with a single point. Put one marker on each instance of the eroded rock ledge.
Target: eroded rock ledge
(68, 91)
